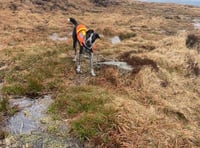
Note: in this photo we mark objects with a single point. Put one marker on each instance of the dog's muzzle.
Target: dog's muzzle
(88, 41)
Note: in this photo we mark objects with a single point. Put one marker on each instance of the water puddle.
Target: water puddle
(28, 118)
(33, 127)
(55, 37)
(196, 23)
(115, 40)
(120, 65)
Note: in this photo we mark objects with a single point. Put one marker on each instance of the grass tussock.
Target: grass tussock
(3, 105)
(5, 108)
(35, 72)
(86, 105)
(158, 106)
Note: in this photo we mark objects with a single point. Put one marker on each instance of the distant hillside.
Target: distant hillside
(50, 5)
(155, 105)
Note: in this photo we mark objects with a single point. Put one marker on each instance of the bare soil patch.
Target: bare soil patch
(137, 62)
(193, 41)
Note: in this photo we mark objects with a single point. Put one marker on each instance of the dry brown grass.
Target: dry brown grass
(159, 103)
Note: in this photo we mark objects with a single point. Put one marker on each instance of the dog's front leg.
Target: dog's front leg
(91, 65)
(78, 69)
(74, 59)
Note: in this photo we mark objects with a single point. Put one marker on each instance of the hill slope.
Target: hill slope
(155, 105)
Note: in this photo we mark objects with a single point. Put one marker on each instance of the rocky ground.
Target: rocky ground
(154, 105)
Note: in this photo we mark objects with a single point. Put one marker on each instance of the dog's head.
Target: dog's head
(90, 38)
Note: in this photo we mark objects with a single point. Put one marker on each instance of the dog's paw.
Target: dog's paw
(92, 73)
(78, 72)
(74, 60)
(78, 69)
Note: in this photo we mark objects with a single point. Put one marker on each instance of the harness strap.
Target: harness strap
(87, 47)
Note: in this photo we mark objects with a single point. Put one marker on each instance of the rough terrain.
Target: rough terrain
(155, 105)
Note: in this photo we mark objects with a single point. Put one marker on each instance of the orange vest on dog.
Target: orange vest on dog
(81, 32)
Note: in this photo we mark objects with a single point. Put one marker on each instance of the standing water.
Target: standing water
(31, 126)
(196, 23)
(118, 64)
(115, 40)
(28, 118)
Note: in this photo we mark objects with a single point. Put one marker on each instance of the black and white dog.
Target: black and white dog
(86, 39)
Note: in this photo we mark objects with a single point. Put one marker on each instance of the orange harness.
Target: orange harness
(81, 32)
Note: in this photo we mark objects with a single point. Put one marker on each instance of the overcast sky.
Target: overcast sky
(192, 2)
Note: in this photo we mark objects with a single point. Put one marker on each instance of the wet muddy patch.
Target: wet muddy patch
(137, 63)
(193, 41)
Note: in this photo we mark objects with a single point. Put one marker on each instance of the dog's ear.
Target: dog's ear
(97, 36)
(90, 31)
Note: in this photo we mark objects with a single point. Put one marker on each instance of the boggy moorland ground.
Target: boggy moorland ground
(155, 105)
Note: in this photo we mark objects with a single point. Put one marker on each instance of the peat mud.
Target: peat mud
(137, 63)
(193, 41)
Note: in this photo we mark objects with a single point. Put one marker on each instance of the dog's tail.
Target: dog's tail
(73, 21)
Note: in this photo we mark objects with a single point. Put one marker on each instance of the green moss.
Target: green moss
(53, 85)
(87, 104)
(3, 105)
(14, 89)
(34, 85)
(31, 72)
(31, 85)
(94, 124)
(81, 99)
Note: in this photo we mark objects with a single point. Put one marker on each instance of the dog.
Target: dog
(86, 39)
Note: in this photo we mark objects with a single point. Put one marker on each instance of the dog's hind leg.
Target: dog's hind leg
(74, 43)
(91, 65)
(75, 51)
(78, 69)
